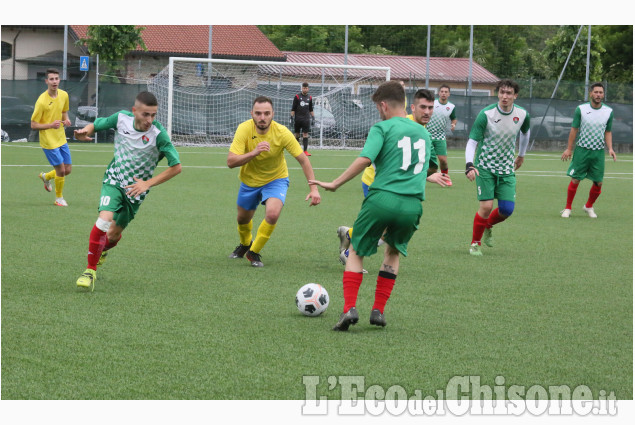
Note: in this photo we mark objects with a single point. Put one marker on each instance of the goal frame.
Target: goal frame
(247, 62)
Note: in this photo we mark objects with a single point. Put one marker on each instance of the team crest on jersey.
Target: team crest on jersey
(447, 108)
(516, 119)
(145, 139)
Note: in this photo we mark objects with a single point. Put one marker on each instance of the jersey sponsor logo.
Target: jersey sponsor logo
(516, 119)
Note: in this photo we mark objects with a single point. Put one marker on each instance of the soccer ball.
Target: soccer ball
(312, 299)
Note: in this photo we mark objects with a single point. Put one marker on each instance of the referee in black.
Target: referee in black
(302, 116)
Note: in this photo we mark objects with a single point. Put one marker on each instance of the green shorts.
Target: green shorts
(398, 214)
(433, 164)
(114, 199)
(499, 186)
(440, 147)
(587, 164)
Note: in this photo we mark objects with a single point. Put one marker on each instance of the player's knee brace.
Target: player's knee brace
(103, 225)
(506, 208)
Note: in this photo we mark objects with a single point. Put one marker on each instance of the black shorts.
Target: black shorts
(302, 126)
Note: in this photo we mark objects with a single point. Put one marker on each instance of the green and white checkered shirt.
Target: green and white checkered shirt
(496, 133)
(137, 153)
(442, 115)
(592, 124)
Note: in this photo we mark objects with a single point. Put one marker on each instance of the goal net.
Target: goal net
(202, 101)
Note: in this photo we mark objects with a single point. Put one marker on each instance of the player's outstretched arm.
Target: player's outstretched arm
(353, 170)
(83, 134)
(142, 186)
(439, 178)
(307, 169)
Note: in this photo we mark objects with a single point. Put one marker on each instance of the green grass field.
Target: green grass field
(172, 317)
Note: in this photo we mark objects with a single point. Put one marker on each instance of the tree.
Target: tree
(112, 43)
(314, 38)
(558, 47)
(617, 63)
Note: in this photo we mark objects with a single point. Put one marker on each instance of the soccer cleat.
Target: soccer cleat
(377, 318)
(48, 186)
(254, 258)
(475, 249)
(87, 280)
(565, 213)
(60, 202)
(344, 257)
(102, 258)
(307, 153)
(345, 241)
(346, 319)
(240, 251)
(487, 237)
(450, 181)
(590, 212)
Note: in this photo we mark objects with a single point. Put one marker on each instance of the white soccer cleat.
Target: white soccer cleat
(565, 213)
(590, 212)
(48, 185)
(60, 202)
(342, 233)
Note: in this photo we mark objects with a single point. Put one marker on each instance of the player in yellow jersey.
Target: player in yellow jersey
(49, 117)
(422, 110)
(258, 149)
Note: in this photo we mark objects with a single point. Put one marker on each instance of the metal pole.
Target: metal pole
(323, 104)
(345, 49)
(96, 91)
(588, 62)
(64, 60)
(469, 80)
(209, 56)
(428, 60)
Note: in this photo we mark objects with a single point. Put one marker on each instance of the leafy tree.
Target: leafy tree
(558, 47)
(617, 63)
(112, 43)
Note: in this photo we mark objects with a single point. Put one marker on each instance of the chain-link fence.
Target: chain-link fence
(119, 83)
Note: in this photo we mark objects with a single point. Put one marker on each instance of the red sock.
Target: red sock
(96, 244)
(111, 244)
(385, 283)
(480, 224)
(593, 195)
(444, 171)
(573, 188)
(494, 218)
(351, 283)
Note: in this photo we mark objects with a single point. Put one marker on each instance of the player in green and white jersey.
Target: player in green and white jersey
(489, 158)
(400, 149)
(444, 116)
(590, 131)
(140, 143)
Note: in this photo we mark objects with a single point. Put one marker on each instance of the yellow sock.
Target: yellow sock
(244, 231)
(50, 175)
(59, 186)
(350, 233)
(264, 233)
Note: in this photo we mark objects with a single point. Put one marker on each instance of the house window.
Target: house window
(7, 50)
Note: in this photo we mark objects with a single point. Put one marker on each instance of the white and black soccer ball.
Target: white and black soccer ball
(4, 136)
(312, 299)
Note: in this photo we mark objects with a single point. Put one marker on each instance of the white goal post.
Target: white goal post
(202, 101)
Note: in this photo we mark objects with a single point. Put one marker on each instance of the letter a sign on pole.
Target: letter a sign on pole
(83, 63)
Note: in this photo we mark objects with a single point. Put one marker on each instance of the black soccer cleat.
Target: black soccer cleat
(346, 319)
(254, 258)
(240, 251)
(377, 318)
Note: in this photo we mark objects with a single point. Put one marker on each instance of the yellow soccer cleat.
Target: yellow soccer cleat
(87, 280)
(102, 258)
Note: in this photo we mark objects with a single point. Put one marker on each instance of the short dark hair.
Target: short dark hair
(508, 83)
(305, 84)
(51, 71)
(444, 86)
(262, 99)
(390, 92)
(424, 94)
(594, 85)
(147, 98)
